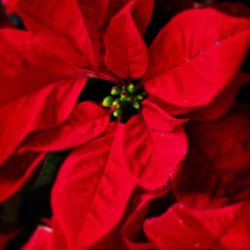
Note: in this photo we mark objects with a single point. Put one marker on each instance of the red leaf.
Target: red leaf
(94, 16)
(16, 171)
(92, 190)
(40, 240)
(26, 67)
(184, 228)
(154, 146)
(132, 232)
(126, 53)
(216, 170)
(86, 122)
(62, 23)
(196, 56)
(58, 239)
(222, 103)
(41, 109)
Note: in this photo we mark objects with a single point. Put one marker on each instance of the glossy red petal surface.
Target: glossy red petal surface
(62, 23)
(92, 190)
(86, 122)
(184, 228)
(126, 52)
(96, 15)
(41, 109)
(189, 64)
(25, 66)
(222, 103)
(58, 238)
(154, 146)
(40, 240)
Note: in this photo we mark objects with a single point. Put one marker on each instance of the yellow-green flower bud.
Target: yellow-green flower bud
(139, 97)
(136, 105)
(123, 98)
(117, 113)
(116, 104)
(107, 101)
(131, 88)
(115, 91)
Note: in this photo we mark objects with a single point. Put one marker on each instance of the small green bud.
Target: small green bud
(115, 91)
(107, 101)
(116, 103)
(131, 88)
(136, 105)
(139, 97)
(123, 98)
(117, 113)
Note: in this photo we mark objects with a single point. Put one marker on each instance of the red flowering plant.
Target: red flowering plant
(127, 148)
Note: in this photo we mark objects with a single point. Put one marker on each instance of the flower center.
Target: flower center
(122, 97)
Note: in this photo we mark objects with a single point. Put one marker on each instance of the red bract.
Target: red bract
(46, 86)
(216, 169)
(37, 105)
(183, 228)
(187, 67)
(202, 61)
(133, 232)
(222, 103)
(155, 144)
(97, 172)
(124, 59)
(86, 122)
(41, 239)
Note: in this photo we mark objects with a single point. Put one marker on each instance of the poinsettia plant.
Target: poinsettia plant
(124, 124)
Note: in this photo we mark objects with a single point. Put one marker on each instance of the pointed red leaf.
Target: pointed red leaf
(126, 52)
(41, 109)
(86, 122)
(133, 233)
(216, 108)
(25, 66)
(222, 103)
(58, 239)
(40, 240)
(154, 146)
(189, 64)
(184, 228)
(16, 171)
(93, 15)
(92, 190)
(62, 23)
(216, 170)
